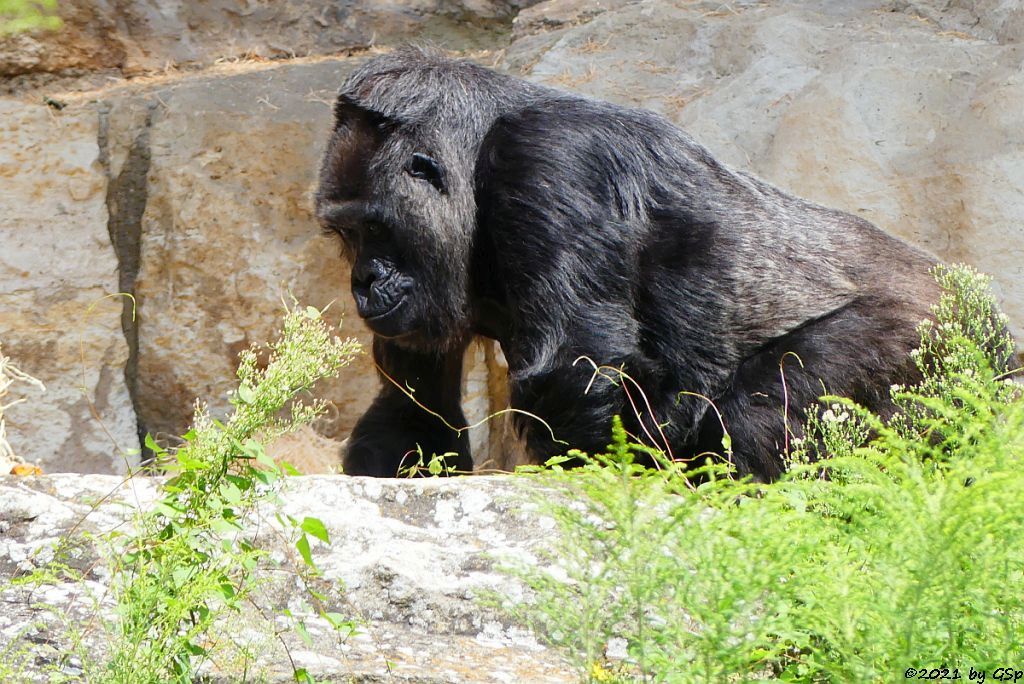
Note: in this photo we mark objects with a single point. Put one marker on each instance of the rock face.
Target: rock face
(406, 561)
(230, 226)
(227, 232)
(135, 37)
(209, 232)
(57, 273)
(1000, 21)
(191, 189)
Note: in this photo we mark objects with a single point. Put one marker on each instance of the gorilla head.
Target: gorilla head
(397, 185)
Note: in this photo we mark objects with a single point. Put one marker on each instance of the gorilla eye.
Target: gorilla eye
(426, 168)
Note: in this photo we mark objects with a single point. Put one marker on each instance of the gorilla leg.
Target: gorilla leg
(388, 434)
(854, 352)
(577, 402)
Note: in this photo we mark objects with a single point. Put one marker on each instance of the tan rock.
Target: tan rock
(89, 39)
(993, 20)
(307, 451)
(227, 234)
(557, 14)
(137, 36)
(58, 314)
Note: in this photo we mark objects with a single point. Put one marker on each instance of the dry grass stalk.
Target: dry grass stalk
(9, 374)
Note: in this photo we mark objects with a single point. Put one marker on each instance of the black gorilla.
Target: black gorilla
(474, 203)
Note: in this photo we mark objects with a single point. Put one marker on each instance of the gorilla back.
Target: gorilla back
(470, 202)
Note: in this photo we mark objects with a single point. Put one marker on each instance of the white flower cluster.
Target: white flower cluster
(835, 414)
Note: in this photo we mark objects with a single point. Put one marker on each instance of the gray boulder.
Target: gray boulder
(408, 560)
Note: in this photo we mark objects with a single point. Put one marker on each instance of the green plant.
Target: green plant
(435, 466)
(904, 550)
(189, 558)
(25, 15)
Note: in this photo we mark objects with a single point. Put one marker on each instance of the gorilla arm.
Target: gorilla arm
(386, 437)
(564, 216)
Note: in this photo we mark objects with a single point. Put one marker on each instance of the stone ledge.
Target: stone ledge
(407, 559)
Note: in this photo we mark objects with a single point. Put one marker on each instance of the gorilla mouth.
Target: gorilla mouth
(390, 323)
(376, 302)
(385, 314)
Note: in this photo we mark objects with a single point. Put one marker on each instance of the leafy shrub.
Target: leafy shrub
(904, 550)
(189, 559)
(25, 15)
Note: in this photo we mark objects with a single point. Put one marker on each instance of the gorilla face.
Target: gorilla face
(405, 220)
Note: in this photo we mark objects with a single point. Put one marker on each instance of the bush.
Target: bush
(190, 558)
(25, 15)
(902, 553)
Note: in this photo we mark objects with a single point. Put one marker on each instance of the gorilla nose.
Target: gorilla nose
(366, 273)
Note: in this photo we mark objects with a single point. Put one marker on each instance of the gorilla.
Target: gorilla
(470, 202)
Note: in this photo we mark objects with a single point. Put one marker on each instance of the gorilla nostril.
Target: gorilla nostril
(366, 273)
(363, 280)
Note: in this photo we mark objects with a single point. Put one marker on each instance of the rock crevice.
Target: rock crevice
(127, 194)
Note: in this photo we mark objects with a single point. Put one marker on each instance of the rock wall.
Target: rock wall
(908, 114)
(57, 272)
(137, 37)
(188, 185)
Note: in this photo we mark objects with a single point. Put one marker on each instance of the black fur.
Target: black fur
(474, 203)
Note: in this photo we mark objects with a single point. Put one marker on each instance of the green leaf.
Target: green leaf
(303, 546)
(312, 313)
(300, 627)
(180, 576)
(340, 623)
(231, 493)
(242, 483)
(316, 528)
(153, 446)
(245, 393)
(267, 477)
(263, 459)
(227, 590)
(165, 510)
(187, 462)
(224, 526)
